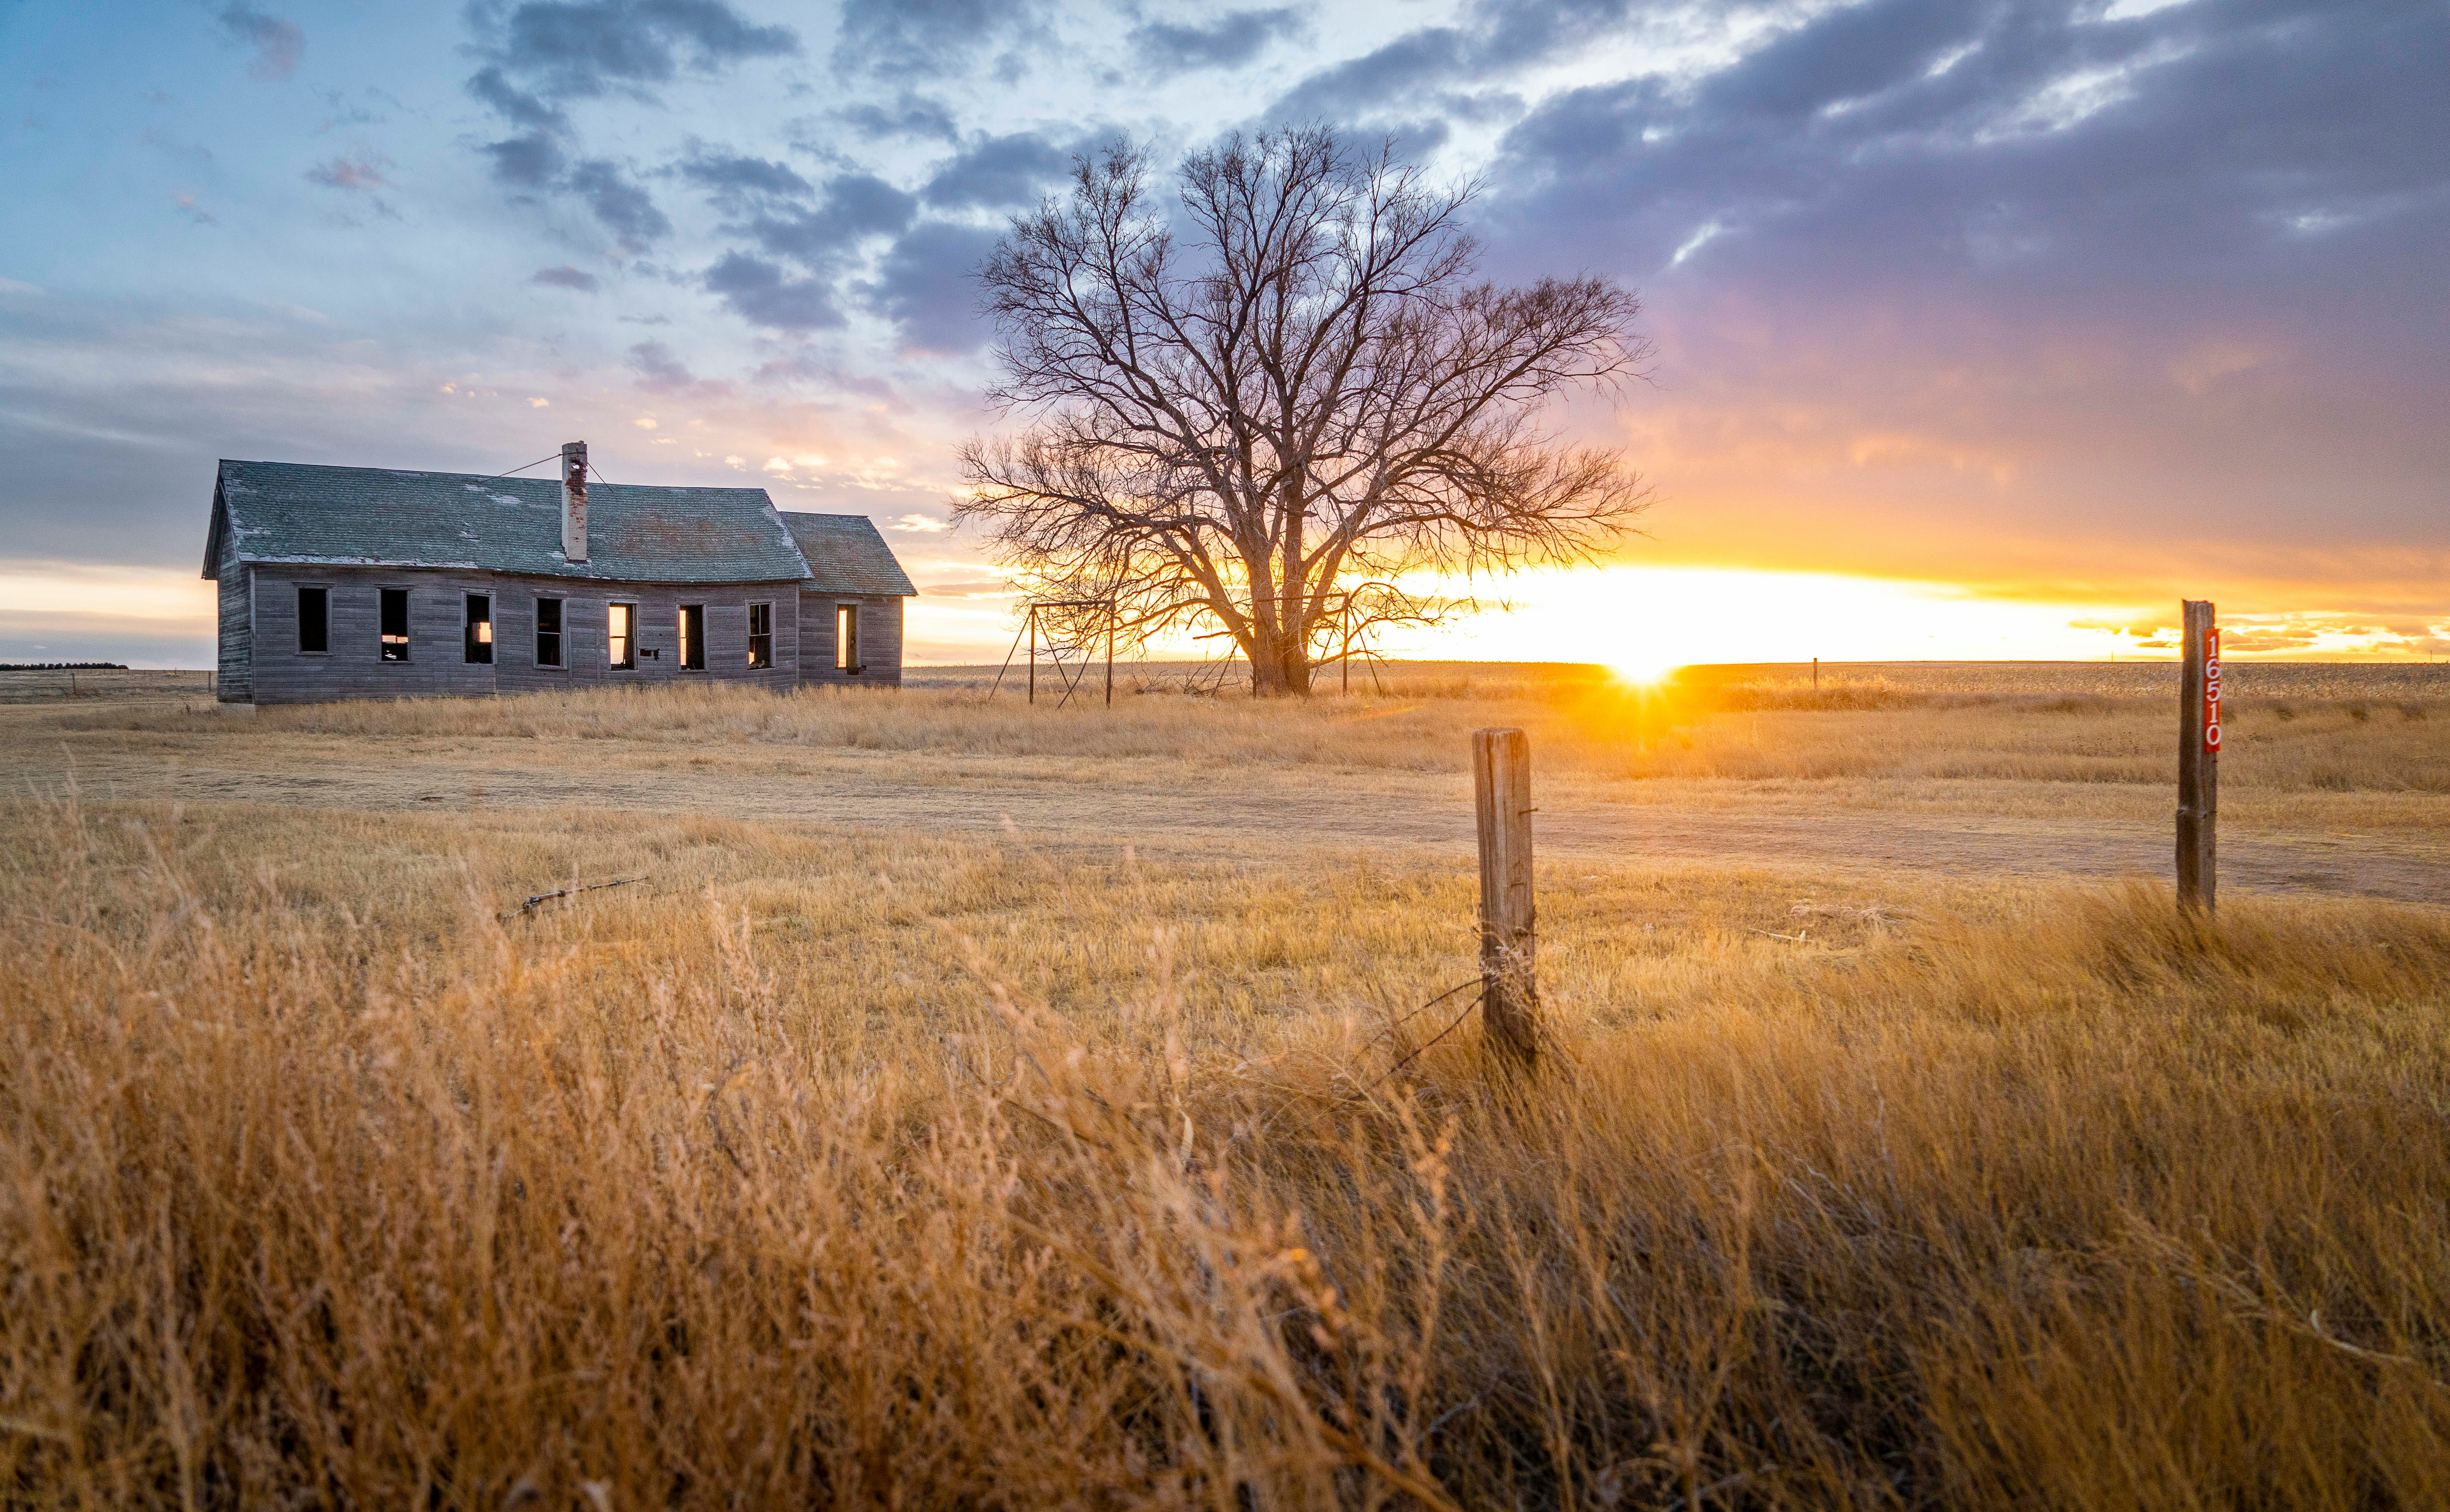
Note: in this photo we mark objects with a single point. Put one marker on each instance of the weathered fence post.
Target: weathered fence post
(1510, 989)
(2199, 743)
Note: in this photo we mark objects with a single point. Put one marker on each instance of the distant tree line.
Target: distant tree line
(63, 667)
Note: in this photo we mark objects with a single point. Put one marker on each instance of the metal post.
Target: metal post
(2199, 741)
(1033, 653)
(1510, 989)
(1347, 657)
(1815, 675)
(1109, 653)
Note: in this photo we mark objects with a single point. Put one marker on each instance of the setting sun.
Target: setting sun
(1643, 669)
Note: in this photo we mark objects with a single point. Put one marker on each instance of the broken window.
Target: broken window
(693, 637)
(761, 635)
(548, 633)
(394, 623)
(847, 637)
(480, 628)
(314, 620)
(622, 636)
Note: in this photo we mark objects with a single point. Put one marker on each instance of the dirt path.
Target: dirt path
(1287, 807)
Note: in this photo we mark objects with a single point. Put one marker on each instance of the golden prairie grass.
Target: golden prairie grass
(1712, 726)
(905, 1171)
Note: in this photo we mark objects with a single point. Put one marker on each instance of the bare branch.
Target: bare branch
(1309, 390)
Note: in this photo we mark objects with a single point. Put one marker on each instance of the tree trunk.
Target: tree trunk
(1297, 669)
(1279, 662)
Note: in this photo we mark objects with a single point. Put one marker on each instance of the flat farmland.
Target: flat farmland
(2337, 778)
(952, 1102)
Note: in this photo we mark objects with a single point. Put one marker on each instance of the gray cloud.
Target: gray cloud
(566, 277)
(1230, 40)
(1857, 53)
(911, 116)
(515, 105)
(822, 238)
(568, 49)
(998, 171)
(759, 292)
(544, 53)
(277, 44)
(1415, 61)
(1843, 149)
(661, 371)
(735, 181)
(624, 208)
(532, 161)
(2222, 215)
(925, 284)
(914, 38)
(856, 207)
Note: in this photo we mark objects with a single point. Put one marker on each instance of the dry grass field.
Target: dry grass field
(910, 1155)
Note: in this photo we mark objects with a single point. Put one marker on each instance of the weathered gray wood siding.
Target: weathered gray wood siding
(235, 683)
(438, 665)
(880, 638)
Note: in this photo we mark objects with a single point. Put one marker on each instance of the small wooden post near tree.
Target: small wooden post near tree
(2199, 743)
(1509, 989)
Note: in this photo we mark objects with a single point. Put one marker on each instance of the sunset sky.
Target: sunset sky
(1983, 329)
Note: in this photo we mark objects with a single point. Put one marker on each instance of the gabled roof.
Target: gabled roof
(845, 555)
(294, 511)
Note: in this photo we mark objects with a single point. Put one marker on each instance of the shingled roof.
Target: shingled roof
(294, 511)
(845, 555)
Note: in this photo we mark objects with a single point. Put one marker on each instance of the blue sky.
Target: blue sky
(2054, 310)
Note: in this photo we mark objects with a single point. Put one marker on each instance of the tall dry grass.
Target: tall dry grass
(772, 1183)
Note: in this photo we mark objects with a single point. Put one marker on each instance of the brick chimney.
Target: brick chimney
(573, 500)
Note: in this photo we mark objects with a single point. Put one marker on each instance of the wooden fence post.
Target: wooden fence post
(1510, 989)
(2199, 743)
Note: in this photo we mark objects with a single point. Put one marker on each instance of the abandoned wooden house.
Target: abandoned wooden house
(358, 582)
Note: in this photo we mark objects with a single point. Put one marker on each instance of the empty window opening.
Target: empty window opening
(548, 633)
(693, 637)
(314, 620)
(622, 636)
(846, 638)
(394, 623)
(761, 635)
(480, 628)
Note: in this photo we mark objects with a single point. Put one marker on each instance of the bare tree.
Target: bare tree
(1302, 387)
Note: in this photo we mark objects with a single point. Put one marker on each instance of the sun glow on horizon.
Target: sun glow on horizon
(1645, 622)
(1642, 669)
